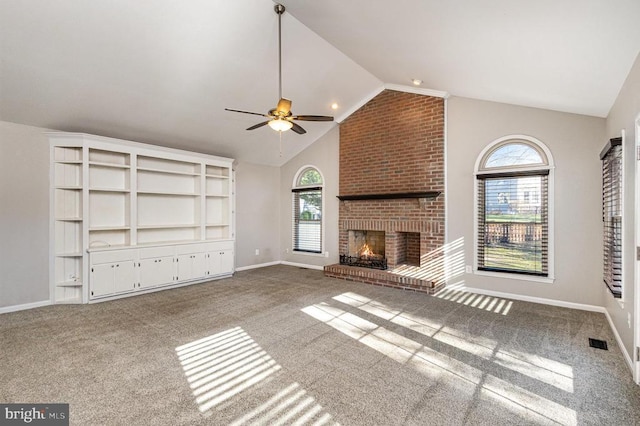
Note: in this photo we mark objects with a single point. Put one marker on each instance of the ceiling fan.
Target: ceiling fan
(281, 118)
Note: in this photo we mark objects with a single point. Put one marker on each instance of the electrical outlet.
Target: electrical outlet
(286, 250)
(326, 254)
(629, 319)
(468, 269)
(257, 252)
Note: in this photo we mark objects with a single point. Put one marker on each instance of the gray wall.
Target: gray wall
(24, 215)
(575, 142)
(322, 154)
(623, 114)
(257, 214)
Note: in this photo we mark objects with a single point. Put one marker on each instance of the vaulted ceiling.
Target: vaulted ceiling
(162, 72)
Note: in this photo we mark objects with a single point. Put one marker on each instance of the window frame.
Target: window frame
(296, 189)
(549, 167)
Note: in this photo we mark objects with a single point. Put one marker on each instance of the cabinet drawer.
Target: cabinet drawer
(220, 246)
(191, 248)
(110, 256)
(151, 252)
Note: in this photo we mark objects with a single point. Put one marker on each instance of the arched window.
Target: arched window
(307, 210)
(513, 207)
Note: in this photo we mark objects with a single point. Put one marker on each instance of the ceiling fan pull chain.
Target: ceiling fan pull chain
(280, 143)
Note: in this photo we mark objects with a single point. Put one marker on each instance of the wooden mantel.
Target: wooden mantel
(390, 196)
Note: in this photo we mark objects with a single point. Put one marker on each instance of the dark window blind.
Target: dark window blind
(612, 216)
(513, 225)
(307, 219)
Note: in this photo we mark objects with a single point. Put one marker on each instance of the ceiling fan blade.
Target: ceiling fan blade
(246, 112)
(284, 106)
(299, 130)
(255, 126)
(312, 118)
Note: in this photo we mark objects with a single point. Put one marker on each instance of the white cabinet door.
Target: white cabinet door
(226, 262)
(199, 265)
(111, 278)
(191, 266)
(157, 271)
(220, 262)
(102, 279)
(213, 261)
(124, 278)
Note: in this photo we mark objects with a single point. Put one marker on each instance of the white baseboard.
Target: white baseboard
(562, 304)
(303, 265)
(627, 357)
(532, 299)
(25, 306)
(264, 265)
(258, 265)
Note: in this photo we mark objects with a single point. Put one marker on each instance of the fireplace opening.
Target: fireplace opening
(366, 249)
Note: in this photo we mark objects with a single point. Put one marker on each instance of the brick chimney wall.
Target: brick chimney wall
(394, 144)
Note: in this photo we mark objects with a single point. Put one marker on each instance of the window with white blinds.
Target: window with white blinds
(612, 193)
(513, 209)
(307, 211)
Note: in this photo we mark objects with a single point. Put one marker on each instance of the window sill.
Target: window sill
(521, 277)
(307, 253)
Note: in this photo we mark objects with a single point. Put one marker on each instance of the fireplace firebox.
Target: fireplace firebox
(366, 249)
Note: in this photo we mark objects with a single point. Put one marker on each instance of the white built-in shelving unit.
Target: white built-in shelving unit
(129, 217)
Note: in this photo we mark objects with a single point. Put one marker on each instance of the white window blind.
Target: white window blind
(513, 224)
(307, 219)
(612, 193)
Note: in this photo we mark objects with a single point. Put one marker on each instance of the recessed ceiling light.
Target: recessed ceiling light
(334, 106)
(416, 82)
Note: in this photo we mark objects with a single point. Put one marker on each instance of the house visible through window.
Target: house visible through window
(513, 208)
(307, 211)
(611, 157)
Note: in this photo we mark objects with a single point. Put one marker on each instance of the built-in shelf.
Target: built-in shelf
(109, 190)
(71, 254)
(162, 171)
(118, 202)
(170, 226)
(109, 165)
(69, 284)
(69, 162)
(109, 228)
(180, 194)
(389, 196)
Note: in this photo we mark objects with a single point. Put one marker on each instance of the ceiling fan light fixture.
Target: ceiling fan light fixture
(280, 125)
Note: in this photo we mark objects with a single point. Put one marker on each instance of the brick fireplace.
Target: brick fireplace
(392, 186)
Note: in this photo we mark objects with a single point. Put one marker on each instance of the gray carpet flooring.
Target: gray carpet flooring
(283, 345)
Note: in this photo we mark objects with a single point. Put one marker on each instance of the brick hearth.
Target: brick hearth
(394, 144)
(382, 278)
